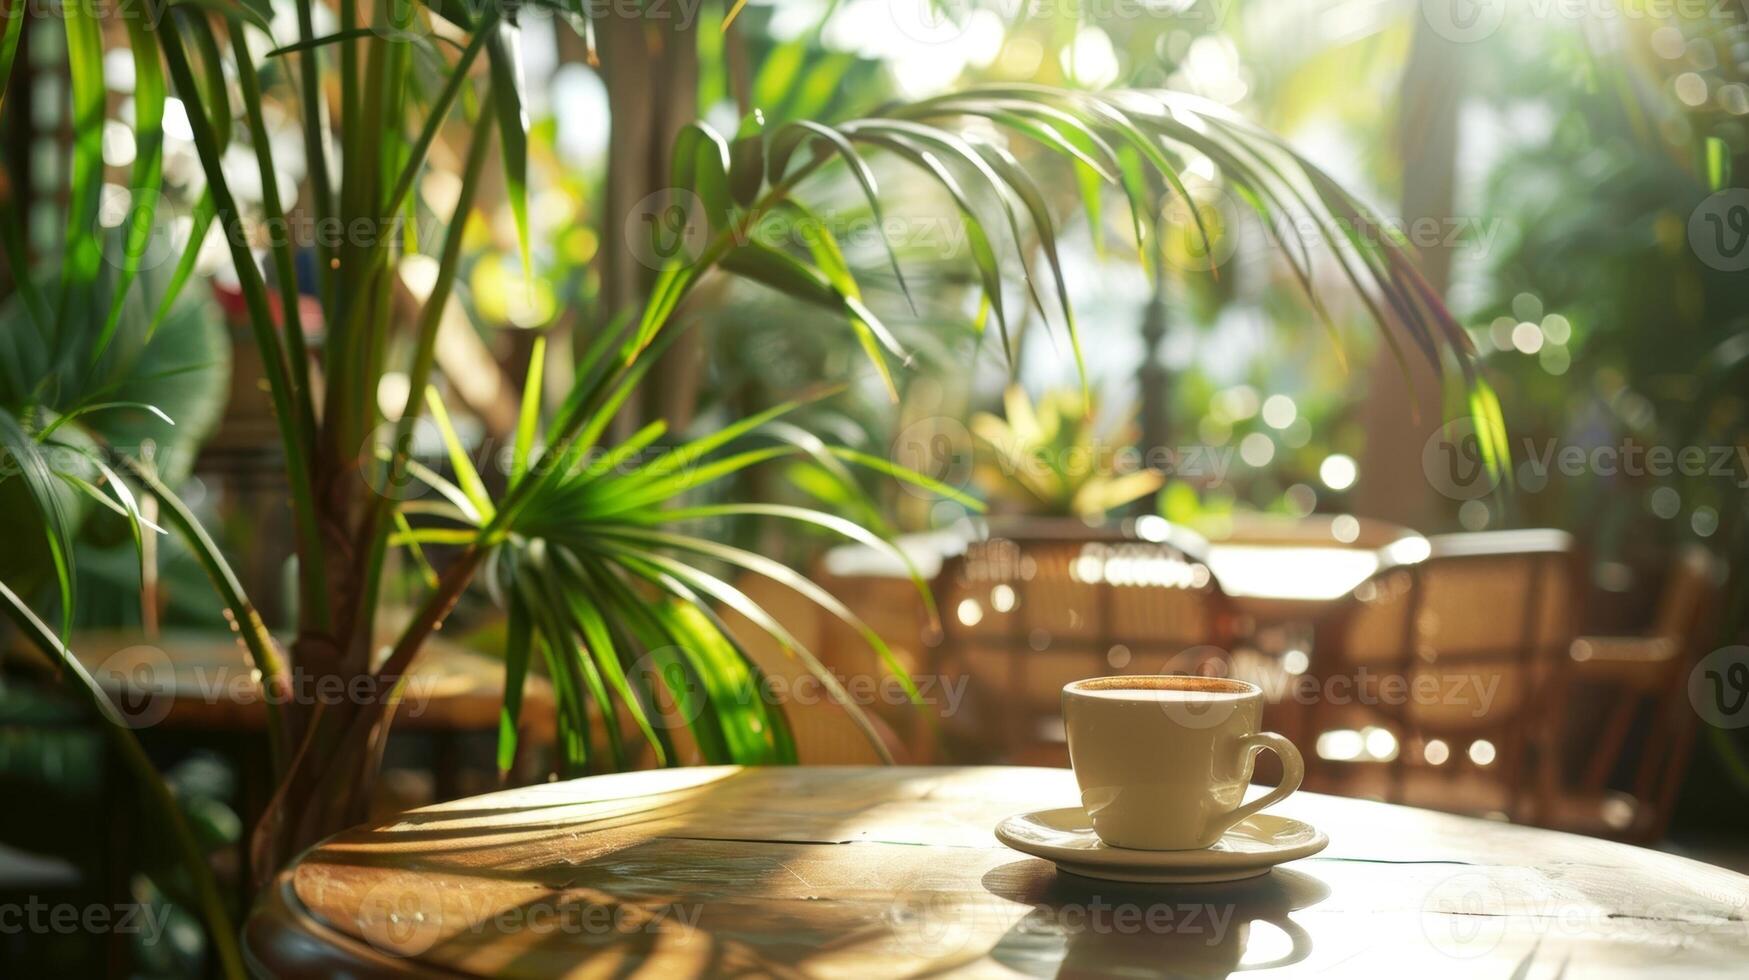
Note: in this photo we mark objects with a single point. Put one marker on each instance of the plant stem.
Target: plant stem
(280, 388)
(81, 684)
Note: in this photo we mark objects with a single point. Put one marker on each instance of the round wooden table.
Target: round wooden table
(864, 872)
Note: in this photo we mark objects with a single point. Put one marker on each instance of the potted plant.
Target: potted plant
(587, 545)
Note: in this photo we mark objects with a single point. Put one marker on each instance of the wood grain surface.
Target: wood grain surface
(865, 872)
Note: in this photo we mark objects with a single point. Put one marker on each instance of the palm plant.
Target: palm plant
(1051, 459)
(586, 543)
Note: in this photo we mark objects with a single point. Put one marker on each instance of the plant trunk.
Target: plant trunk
(328, 784)
(328, 780)
(651, 72)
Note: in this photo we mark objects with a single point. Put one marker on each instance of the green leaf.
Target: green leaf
(831, 263)
(243, 617)
(701, 166)
(49, 429)
(957, 148)
(557, 646)
(517, 643)
(24, 461)
(148, 175)
(258, 13)
(1028, 191)
(210, 96)
(9, 45)
(784, 144)
(1490, 425)
(983, 255)
(829, 285)
(202, 222)
(581, 660)
(1718, 163)
(156, 794)
(907, 475)
(504, 53)
(783, 575)
(598, 642)
(427, 573)
(529, 418)
(466, 476)
(747, 159)
(735, 599)
(438, 114)
(848, 529)
(83, 252)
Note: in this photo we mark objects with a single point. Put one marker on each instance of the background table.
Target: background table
(861, 872)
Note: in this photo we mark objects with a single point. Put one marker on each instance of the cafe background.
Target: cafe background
(1569, 182)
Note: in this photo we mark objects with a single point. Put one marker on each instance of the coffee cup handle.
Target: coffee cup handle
(1293, 770)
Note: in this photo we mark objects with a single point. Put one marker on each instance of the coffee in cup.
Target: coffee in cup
(1163, 760)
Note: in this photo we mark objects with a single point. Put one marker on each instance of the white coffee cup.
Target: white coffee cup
(1163, 759)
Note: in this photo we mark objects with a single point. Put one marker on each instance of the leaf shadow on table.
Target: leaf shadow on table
(1079, 927)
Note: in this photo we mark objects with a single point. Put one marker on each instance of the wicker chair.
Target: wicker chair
(825, 732)
(1638, 673)
(1462, 648)
(1022, 616)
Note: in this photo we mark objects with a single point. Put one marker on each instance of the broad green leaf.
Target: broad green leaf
(701, 166)
(747, 159)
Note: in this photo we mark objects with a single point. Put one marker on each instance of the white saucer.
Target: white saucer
(1253, 846)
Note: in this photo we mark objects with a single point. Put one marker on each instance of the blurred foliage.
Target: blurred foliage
(1053, 459)
(1611, 316)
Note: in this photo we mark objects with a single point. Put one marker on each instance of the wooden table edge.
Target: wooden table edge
(283, 938)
